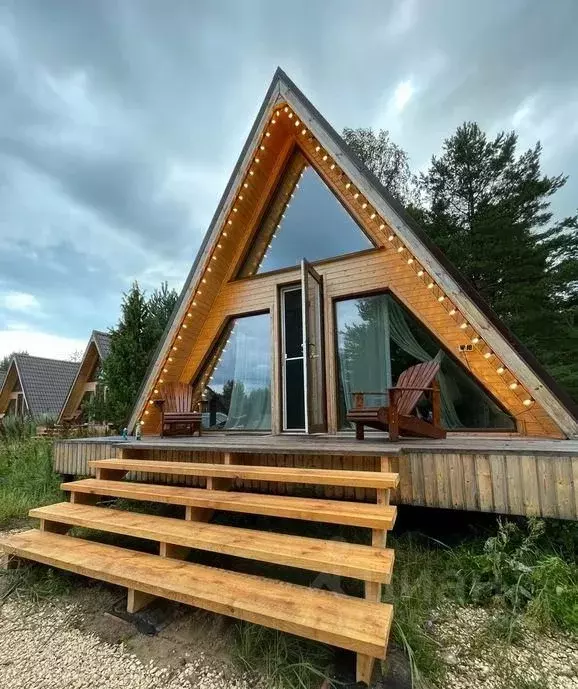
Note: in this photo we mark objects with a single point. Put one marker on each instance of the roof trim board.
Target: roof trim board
(93, 341)
(539, 384)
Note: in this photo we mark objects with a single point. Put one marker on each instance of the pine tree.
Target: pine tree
(488, 209)
(388, 161)
(132, 345)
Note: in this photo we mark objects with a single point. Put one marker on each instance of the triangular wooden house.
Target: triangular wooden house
(311, 284)
(379, 296)
(84, 385)
(35, 386)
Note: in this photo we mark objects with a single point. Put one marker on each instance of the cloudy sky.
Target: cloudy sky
(121, 121)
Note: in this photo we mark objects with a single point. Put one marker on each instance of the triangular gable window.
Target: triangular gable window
(304, 220)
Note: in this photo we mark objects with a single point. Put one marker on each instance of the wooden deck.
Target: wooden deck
(490, 473)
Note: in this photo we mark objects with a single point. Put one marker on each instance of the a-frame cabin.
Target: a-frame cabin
(380, 296)
(86, 381)
(311, 284)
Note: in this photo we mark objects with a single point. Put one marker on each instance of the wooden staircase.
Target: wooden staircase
(361, 625)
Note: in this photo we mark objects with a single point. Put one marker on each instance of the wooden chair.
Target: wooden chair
(397, 416)
(177, 417)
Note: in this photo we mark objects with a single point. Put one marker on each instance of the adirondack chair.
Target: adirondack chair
(397, 416)
(177, 417)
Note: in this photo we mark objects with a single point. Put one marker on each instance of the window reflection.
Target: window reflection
(378, 339)
(238, 393)
(304, 220)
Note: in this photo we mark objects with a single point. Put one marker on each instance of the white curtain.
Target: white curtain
(365, 356)
(250, 407)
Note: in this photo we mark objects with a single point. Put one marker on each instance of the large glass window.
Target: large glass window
(378, 339)
(238, 394)
(304, 220)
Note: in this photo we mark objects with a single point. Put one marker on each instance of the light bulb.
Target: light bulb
(372, 216)
(441, 298)
(528, 402)
(229, 222)
(513, 385)
(332, 166)
(500, 369)
(464, 325)
(324, 157)
(348, 185)
(391, 237)
(356, 195)
(431, 285)
(420, 273)
(297, 123)
(147, 411)
(269, 133)
(257, 160)
(303, 131)
(364, 206)
(409, 261)
(487, 355)
(452, 312)
(156, 391)
(382, 227)
(317, 149)
(475, 340)
(400, 249)
(165, 370)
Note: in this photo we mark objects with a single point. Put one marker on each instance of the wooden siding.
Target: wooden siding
(367, 273)
(504, 483)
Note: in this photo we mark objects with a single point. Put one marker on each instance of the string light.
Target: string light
(475, 340)
(488, 355)
(500, 370)
(513, 385)
(441, 298)
(420, 273)
(452, 312)
(410, 260)
(528, 402)
(400, 249)
(431, 285)
(391, 237)
(464, 325)
(372, 216)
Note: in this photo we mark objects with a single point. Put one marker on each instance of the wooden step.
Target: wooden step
(331, 557)
(326, 477)
(352, 623)
(311, 509)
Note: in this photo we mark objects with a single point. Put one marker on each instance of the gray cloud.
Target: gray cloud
(120, 122)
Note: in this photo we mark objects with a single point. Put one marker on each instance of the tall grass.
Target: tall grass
(27, 478)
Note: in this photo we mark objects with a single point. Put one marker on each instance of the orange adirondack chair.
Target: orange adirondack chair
(397, 416)
(177, 417)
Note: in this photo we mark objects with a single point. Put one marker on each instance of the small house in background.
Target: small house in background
(34, 386)
(84, 385)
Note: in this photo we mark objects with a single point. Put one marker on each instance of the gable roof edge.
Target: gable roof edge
(212, 233)
(507, 347)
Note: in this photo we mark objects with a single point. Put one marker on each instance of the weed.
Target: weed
(285, 660)
(33, 583)
(27, 478)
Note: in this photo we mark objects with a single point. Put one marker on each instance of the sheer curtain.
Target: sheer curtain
(250, 406)
(366, 329)
(364, 350)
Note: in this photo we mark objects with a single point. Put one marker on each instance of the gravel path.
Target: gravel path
(40, 648)
(477, 656)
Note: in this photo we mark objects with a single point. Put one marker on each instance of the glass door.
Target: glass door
(293, 370)
(302, 354)
(314, 375)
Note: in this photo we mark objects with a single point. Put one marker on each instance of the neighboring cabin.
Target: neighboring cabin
(84, 385)
(35, 386)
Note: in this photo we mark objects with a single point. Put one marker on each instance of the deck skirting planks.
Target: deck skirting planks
(516, 482)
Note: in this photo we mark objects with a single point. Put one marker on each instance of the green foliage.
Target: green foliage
(388, 161)
(5, 360)
(27, 478)
(488, 209)
(286, 661)
(13, 427)
(132, 346)
(34, 583)
(519, 570)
